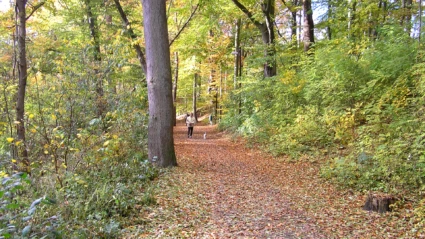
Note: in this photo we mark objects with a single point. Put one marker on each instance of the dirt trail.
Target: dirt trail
(221, 189)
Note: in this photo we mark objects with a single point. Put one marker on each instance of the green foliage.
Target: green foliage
(93, 164)
(20, 217)
(102, 199)
(359, 103)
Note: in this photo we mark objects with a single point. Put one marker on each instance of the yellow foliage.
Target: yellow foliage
(106, 143)
(10, 140)
(288, 77)
(297, 89)
(3, 174)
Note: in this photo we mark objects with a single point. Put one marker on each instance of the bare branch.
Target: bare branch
(133, 36)
(185, 24)
(248, 13)
(35, 8)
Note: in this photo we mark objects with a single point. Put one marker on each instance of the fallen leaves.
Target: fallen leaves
(223, 190)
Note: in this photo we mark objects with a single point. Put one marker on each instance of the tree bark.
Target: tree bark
(328, 27)
(22, 74)
(236, 53)
(352, 4)
(308, 25)
(379, 203)
(94, 32)
(176, 77)
(160, 129)
(420, 22)
(195, 79)
(407, 16)
(292, 8)
(267, 33)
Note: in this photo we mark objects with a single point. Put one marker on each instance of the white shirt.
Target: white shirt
(190, 120)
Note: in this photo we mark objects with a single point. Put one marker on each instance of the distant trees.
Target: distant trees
(266, 27)
(308, 25)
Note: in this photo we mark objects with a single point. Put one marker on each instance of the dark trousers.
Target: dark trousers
(189, 131)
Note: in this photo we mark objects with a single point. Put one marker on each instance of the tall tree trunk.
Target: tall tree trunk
(267, 33)
(328, 27)
(237, 53)
(294, 26)
(292, 7)
(240, 74)
(195, 79)
(94, 32)
(22, 74)
(352, 4)
(420, 22)
(300, 24)
(160, 129)
(176, 77)
(268, 36)
(406, 17)
(133, 36)
(211, 79)
(238, 61)
(308, 25)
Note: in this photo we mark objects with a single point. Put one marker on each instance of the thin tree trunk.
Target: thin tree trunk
(240, 74)
(133, 36)
(195, 79)
(300, 17)
(292, 8)
(420, 22)
(211, 79)
(160, 129)
(406, 18)
(308, 25)
(294, 26)
(267, 33)
(22, 74)
(351, 16)
(176, 77)
(328, 27)
(409, 16)
(94, 32)
(236, 53)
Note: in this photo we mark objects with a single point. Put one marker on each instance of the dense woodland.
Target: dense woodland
(339, 83)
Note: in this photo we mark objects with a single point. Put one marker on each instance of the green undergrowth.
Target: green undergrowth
(88, 176)
(358, 108)
(92, 203)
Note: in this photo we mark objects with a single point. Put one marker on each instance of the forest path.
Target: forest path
(221, 189)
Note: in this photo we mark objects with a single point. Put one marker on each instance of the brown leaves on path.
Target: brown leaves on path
(221, 189)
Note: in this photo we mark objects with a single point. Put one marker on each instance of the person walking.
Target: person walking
(190, 122)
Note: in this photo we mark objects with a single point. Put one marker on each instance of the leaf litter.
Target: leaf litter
(222, 189)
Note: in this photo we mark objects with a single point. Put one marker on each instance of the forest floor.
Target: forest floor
(222, 189)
